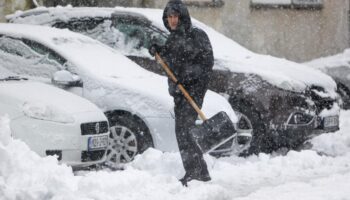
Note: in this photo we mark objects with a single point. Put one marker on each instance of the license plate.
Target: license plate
(331, 121)
(98, 142)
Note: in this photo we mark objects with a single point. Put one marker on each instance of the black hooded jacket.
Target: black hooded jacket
(187, 51)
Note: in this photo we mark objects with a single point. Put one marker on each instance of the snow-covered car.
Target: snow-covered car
(286, 102)
(338, 67)
(135, 101)
(52, 121)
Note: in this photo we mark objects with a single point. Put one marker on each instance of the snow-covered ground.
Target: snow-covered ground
(305, 175)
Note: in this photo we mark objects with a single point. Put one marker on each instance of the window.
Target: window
(137, 34)
(35, 60)
(204, 3)
(80, 25)
(41, 49)
(297, 4)
(15, 47)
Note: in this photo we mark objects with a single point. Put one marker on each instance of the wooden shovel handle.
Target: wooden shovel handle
(181, 87)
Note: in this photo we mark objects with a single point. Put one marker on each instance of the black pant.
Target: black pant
(185, 117)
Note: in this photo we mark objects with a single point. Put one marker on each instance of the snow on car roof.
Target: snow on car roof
(337, 60)
(228, 54)
(80, 50)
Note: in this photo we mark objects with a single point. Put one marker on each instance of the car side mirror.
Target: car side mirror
(64, 78)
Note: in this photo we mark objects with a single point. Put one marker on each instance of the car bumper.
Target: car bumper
(294, 135)
(65, 140)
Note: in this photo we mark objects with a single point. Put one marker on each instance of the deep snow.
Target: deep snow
(306, 175)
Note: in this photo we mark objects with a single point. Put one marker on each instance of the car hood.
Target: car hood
(28, 93)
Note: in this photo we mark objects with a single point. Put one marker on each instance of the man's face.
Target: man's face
(173, 21)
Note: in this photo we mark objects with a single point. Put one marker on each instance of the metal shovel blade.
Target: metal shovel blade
(214, 132)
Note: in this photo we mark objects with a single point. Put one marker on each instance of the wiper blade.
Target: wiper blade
(13, 78)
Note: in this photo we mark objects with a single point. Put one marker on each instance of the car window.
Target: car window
(16, 47)
(80, 25)
(96, 28)
(140, 35)
(43, 50)
(18, 57)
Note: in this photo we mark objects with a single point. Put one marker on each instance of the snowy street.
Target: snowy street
(153, 175)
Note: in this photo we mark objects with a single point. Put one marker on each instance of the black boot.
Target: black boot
(189, 177)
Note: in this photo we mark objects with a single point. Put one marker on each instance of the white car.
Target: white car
(135, 101)
(52, 121)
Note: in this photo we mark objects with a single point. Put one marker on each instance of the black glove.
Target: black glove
(153, 49)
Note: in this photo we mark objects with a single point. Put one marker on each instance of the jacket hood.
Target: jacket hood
(185, 19)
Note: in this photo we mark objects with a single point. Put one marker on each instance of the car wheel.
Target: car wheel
(344, 93)
(128, 137)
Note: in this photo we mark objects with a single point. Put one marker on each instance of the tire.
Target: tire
(129, 136)
(261, 141)
(344, 93)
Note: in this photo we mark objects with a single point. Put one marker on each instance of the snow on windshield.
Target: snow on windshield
(80, 50)
(4, 73)
(110, 63)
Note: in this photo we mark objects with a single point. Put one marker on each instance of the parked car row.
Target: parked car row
(273, 102)
(286, 102)
(135, 101)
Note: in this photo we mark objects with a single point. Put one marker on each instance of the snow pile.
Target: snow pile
(25, 175)
(153, 175)
(335, 144)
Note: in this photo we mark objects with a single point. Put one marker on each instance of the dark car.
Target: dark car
(286, 102)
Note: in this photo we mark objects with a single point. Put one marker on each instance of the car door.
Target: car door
(29, 58)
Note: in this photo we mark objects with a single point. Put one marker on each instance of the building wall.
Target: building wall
(100, 3)
(10, 6)
(295, 34)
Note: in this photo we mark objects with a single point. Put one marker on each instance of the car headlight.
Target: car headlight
(46, 112)
(299, 118)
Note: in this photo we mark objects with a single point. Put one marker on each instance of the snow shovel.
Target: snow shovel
(213, 132)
